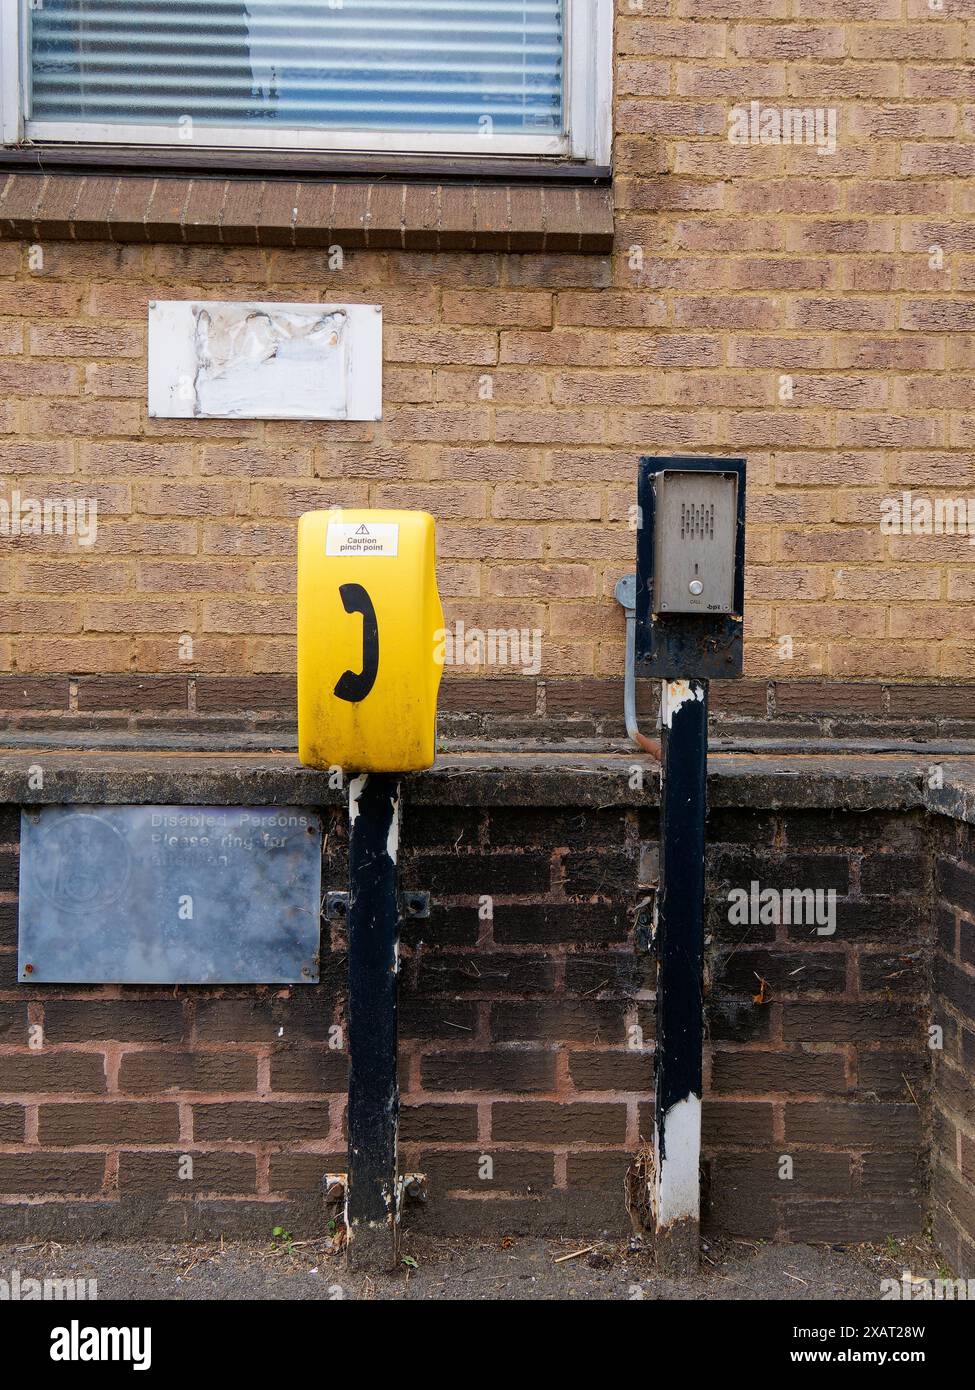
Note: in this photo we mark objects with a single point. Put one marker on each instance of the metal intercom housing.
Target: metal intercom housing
(690, 567)
(694, 544)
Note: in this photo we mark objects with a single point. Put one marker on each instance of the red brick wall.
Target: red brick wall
(954, 1064)
(516, 1045)
(832, 1071)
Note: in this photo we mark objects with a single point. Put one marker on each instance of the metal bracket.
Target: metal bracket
(412, 1187)
(411, 906)
(625, 592)
(645, 923)
(337, 907)
(333, 1187)
(409, 1187)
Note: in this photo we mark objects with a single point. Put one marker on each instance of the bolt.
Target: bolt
(28, 969)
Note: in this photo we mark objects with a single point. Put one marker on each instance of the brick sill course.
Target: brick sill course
(200, 711)
(372, 214)
(101, 735)
(849, 782)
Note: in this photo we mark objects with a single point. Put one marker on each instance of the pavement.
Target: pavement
(456, 1269)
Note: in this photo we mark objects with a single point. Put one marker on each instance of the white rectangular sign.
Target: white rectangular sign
(372, 538)
(215, 359)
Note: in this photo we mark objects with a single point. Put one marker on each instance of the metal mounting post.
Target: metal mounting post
(372, 1192)
(678, 1060)
(689, 608)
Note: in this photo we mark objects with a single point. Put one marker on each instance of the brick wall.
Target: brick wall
(733, 268)
(832, 1070)
(527, 1038)
(954, 1064)
(214, 711)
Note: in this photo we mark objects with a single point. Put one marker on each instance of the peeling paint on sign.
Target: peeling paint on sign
(217, 359)
(246, 365)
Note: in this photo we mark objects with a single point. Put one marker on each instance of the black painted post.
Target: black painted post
(680, 960)
(371, 1210)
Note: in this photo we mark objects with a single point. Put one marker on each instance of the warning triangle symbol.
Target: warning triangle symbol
(363, 530)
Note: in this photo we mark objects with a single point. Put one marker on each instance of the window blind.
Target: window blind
(453, 66)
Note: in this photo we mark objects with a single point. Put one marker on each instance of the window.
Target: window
(472, 77)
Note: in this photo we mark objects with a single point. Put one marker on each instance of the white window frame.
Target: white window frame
(587, 107)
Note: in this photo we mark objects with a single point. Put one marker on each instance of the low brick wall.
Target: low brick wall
(527, 1032)
(832, 1071)
(953, 1176)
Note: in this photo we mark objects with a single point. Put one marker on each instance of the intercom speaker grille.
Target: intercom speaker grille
(696, 522)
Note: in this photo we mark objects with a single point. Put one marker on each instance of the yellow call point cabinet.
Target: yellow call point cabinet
(370, 640)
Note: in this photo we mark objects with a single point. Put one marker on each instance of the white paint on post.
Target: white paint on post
(219, 359)
(673, 696)
(392, 838)
(356, 787)
(678, 1176)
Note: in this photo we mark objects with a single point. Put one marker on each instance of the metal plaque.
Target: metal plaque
(694, 545)
(170, 895)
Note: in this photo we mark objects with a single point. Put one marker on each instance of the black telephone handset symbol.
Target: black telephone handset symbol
(356, 685)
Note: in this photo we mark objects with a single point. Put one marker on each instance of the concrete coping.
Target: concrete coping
(842, 782)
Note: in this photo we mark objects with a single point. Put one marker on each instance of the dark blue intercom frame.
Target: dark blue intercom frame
(677, 646)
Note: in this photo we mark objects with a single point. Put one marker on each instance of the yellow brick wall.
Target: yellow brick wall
(735, 267)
